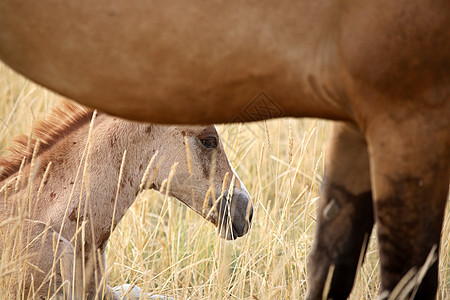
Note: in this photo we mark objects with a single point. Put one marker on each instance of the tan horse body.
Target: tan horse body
(93, 193)
(381, 66)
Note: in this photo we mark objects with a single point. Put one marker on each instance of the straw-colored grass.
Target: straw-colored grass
(165, 248)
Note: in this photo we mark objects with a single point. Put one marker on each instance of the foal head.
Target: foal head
(204, 179)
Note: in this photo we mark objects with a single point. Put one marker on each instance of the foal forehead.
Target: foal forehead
(201, 130)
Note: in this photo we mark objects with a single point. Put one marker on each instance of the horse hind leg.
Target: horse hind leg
(410, 168)
(345, 215)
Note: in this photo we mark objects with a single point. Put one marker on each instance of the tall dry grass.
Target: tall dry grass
(165, 248)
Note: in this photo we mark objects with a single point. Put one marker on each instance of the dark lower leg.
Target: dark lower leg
(410, 169)
(352, 248)
(409, 233)
(345, 215)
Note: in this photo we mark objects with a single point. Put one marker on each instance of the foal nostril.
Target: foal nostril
(234, 216)
(250, 216)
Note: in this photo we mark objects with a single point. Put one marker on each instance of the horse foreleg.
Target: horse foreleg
(91, 276)
(410, 171)
(104, 291)
(345, 215)
(49, 260)
(109, 292)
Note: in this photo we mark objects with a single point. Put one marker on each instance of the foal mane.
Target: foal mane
(61, 121)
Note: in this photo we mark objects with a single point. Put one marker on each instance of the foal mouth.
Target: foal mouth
(231, 228)
(230, 232)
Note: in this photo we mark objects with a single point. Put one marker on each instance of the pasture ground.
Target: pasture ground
(165, 248)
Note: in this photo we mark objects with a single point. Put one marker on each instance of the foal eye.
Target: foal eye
(209, 142)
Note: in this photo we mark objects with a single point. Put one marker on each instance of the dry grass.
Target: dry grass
(165, 248)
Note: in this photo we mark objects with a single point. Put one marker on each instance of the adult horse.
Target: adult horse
(382, 67)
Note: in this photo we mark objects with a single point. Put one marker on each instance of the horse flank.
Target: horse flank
(62, 120)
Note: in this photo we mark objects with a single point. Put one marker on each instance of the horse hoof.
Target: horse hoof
(133, 292)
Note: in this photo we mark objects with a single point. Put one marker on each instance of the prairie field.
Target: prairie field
(166, 249)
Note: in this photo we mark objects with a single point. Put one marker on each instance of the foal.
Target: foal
(73, 180)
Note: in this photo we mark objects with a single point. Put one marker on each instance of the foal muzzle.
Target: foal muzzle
(234, 215)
